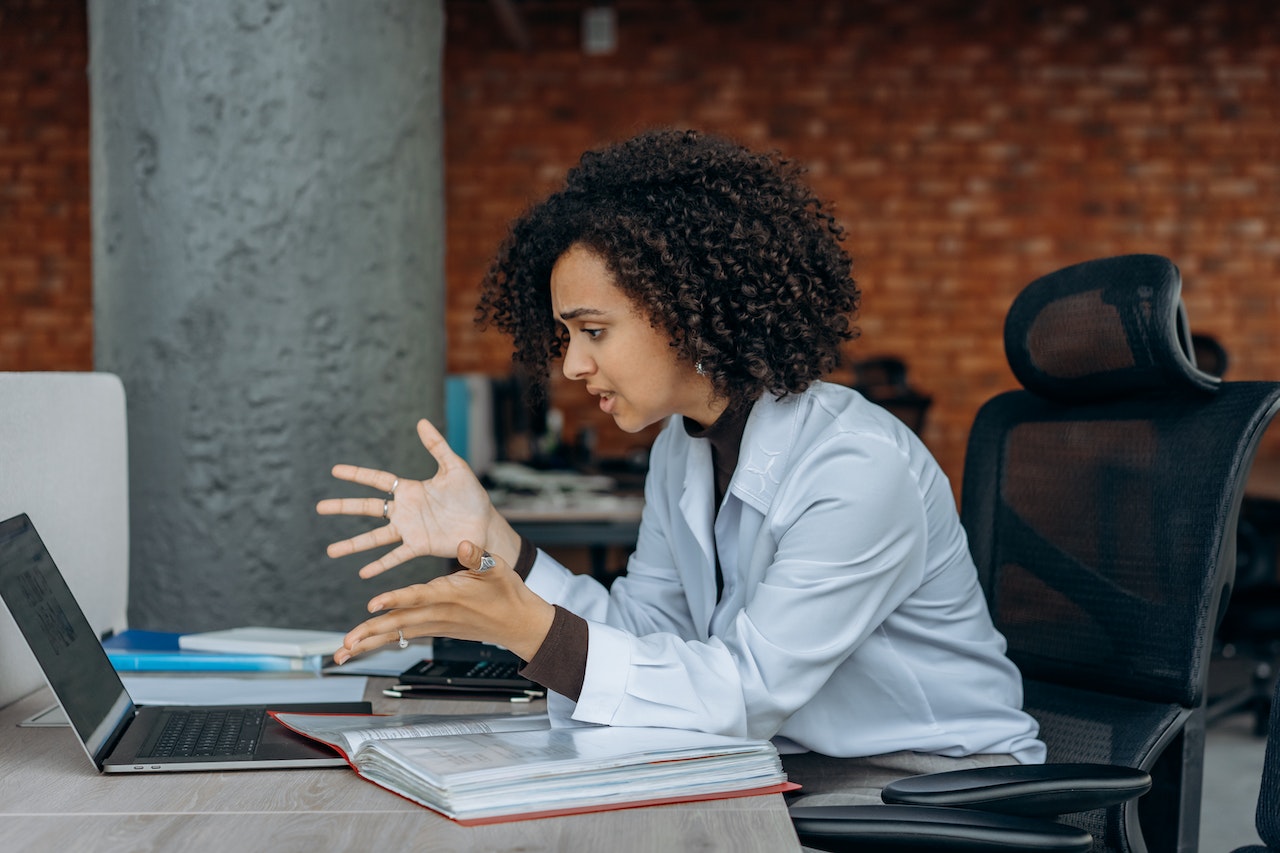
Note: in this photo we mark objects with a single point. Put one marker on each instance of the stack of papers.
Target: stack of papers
(490, 769)
(278, 650)
(157, 669)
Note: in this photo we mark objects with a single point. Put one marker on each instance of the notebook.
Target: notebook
(119, 736)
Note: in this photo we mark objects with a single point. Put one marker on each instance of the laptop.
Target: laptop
(118, 735)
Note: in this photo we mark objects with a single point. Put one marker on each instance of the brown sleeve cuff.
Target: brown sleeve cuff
(561, 662)
(524, 562)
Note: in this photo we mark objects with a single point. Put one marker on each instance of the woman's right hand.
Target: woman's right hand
(427, 517)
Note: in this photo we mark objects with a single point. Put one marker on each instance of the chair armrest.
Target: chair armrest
(1023, 789)
(876, 829)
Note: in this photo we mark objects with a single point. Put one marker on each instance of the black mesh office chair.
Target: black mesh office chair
(1209, 355)
(1267, 818)
(883, 380)
(1100, 504)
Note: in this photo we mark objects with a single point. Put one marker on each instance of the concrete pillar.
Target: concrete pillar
(268, 282)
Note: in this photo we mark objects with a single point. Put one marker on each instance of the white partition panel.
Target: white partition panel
(64, 462)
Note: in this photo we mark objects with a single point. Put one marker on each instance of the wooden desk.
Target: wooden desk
(51, 798)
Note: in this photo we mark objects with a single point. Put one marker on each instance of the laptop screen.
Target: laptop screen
(64, 644)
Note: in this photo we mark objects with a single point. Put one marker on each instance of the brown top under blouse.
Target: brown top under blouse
(561, 662)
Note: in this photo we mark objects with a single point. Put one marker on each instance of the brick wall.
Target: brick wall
(46, 300)
(967, 146)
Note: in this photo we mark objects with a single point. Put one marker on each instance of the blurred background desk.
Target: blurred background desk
(51, 798)
(599, 531)
(564, 512)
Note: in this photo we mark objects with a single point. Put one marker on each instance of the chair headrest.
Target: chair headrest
(1103, 329)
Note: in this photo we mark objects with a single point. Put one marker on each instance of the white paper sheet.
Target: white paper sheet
(389, 660)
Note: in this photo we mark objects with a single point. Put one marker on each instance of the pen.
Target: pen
(401, 691)
(469, 688)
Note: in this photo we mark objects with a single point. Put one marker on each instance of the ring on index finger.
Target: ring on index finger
(392, 490)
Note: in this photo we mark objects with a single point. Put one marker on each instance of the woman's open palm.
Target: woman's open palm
(426, 517)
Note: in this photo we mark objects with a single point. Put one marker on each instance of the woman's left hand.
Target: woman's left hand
(490, 605)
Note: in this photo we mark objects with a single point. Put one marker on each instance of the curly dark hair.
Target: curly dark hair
(723, 249)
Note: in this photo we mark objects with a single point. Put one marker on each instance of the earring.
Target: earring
(698, 368)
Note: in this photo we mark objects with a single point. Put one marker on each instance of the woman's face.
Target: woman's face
(612, 347)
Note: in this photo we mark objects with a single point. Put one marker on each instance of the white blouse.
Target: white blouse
(851, 621)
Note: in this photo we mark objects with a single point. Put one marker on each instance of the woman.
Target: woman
(801, 573)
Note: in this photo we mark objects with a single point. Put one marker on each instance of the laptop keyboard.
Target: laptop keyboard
(201, 732)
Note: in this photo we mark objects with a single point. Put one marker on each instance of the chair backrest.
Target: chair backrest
(1101, 504)
(64, 462)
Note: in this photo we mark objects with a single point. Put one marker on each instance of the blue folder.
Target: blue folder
(137, 650)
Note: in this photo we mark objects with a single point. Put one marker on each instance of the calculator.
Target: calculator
(464, 663)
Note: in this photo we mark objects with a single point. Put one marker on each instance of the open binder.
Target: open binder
(496, 768)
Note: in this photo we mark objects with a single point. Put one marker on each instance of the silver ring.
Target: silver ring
(404, 644)
(386, 507)
(392, 490)
(486, 562)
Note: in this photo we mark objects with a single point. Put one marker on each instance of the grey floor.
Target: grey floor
(1233, 766)
(1232, 774)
